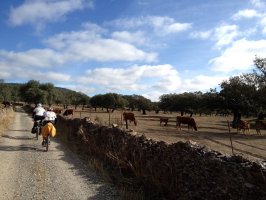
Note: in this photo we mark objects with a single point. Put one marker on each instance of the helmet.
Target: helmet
(50, 109)
(39, 105)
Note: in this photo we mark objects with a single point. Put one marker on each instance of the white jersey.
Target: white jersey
(39, 111)
(49, 116)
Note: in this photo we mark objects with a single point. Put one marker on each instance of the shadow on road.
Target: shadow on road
(18, 137)
(105, 191)
(21, 130)
(19, 148)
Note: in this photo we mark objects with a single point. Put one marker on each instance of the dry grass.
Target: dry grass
(213, 131)
(6, 118)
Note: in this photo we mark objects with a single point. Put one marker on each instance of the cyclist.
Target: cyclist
(49, 116)
(38, 112)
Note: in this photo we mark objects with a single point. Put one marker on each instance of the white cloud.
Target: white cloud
(152, 81)
(263, 24)
(86, 45)
(93, 28)
(26, 73)
(247, 13)
(54, 76)
(258, 4)
(79, 46)
(65, 39)
(108, 50)
(225, 34)
(166, 25)
(160, 77)
(137, 38)
(36, 58)
(38, 12)
(239, 56)
(5, 74)
(161, 25)
(202, 83)
(153, 95)
(44, 76)
(79, 88)
(201, 34)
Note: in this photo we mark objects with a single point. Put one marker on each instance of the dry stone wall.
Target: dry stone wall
(166, 171)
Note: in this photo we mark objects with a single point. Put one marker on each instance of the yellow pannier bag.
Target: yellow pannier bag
(48, 129)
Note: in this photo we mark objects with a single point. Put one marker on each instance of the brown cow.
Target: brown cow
(186, 120)
(57, 111)
(260, 124)
(68, 112)
(130, 116)
(164, 119)
(242, 125)
(7, 103)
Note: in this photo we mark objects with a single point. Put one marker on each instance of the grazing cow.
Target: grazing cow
(57, 111)
(260, 124)
(130, 116)
(7, 103)
(242, 125)
(68, 112)
(164, 119)
(186, 120)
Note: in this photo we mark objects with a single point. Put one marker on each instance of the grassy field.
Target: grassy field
(213, 131)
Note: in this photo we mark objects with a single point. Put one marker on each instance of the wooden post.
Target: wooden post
(121, 120)
(126, 125)
(230, 137)
(109, 118)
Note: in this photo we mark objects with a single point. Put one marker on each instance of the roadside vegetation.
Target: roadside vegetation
(6, 117)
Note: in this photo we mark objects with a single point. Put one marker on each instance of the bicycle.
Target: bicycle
(38, 125)
(48, 131)
(46, 142)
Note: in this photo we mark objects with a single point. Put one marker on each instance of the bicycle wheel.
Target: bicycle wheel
(37, 132)
(47, 143)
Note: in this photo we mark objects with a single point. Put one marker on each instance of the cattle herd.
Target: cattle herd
(67, 112)
(129, 116)
(244, 126)
(240, 125)
(260, 124)
(165, 120)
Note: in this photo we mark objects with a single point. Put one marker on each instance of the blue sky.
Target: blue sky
(145, 47)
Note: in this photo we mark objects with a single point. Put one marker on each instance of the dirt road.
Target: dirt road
(27, 172)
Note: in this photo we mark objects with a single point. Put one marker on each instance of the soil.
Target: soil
(213, 131)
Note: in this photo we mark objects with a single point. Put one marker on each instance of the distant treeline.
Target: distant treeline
(244, 94)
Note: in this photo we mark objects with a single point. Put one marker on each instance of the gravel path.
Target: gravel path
(27, 172)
